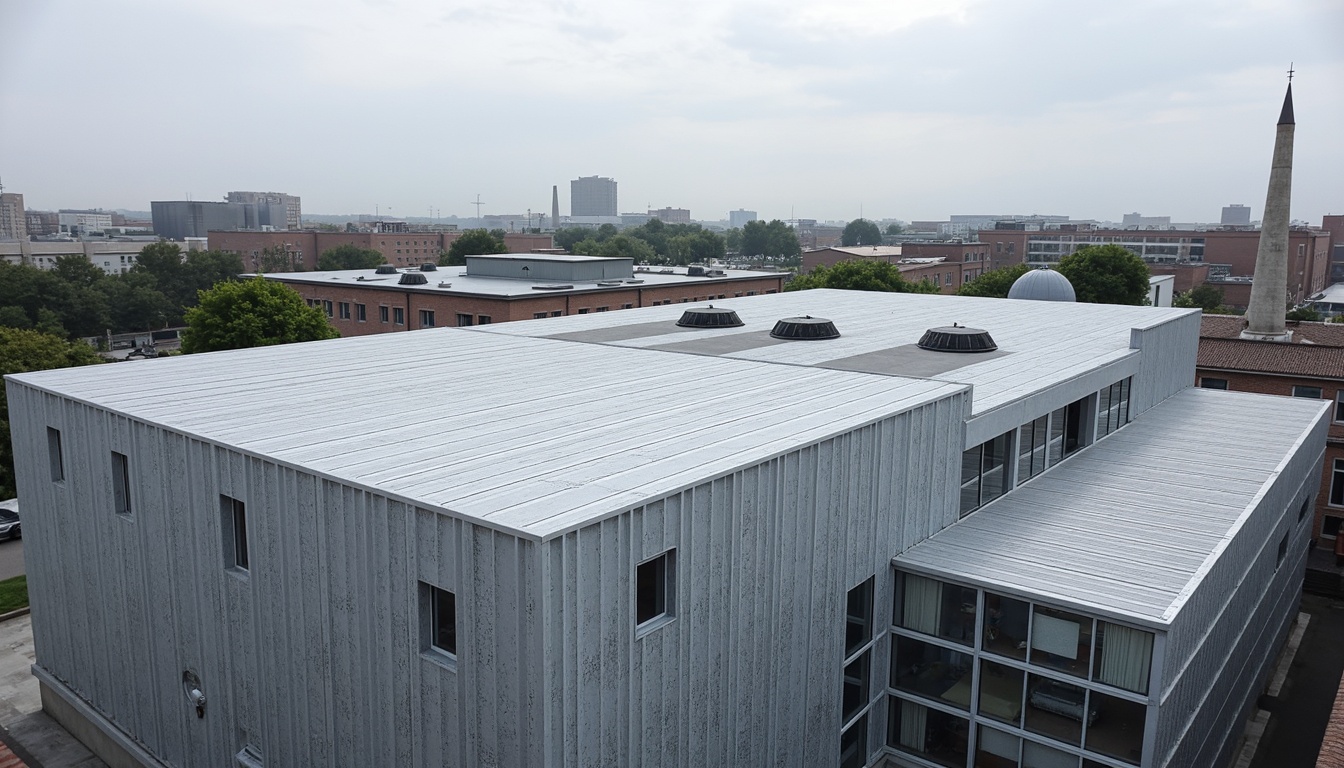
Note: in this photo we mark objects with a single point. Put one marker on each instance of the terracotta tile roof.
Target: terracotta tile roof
(1317, 349)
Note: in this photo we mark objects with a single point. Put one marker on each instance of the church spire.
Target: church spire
(1269, 287)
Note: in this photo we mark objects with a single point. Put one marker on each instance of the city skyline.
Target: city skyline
(912, 111)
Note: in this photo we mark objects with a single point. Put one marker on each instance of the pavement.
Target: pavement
(27, 735)
(11, 559)
(1301, 694)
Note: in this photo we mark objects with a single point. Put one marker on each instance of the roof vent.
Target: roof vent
(385, 269)
(805, 328)
(445, 284)
(412, 278)
(709, 317)
(957, 338)
(429, 266)
(608, 282)
(552, 287)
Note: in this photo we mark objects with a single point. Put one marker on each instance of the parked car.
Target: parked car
(10, 526)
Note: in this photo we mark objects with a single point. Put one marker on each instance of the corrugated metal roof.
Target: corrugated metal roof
(1125, 526)
(532, 436)
(1048, 342)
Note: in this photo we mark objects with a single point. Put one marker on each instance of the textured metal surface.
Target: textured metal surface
(1132, 526)
(536, 437)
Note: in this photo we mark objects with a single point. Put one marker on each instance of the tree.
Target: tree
(995, 283)
(473, 242)
(349, 257)
(568, 237)
(861, 232)
(252, 313)
(893, 229)
(1106, 274)
(278, 258)
(860, 275)
(732, 240)
(618, 246)
(773, 240)
(181, 279)
(1205, 297)
(26, 350)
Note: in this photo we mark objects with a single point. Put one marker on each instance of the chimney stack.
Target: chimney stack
(1269, 288)
(555, 206)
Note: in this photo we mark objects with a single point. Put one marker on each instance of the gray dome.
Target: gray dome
(1042, 285)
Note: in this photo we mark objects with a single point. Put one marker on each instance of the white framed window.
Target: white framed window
(426, 318)
(1304, 391)
(233, 523)
(1210, 383)
(655, 591)
(1337, 484)
(1339, 406)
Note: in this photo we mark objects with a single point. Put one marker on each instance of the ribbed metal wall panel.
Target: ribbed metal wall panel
(1168, 362)
(1225, 634)
(313, 656)
(748, 671)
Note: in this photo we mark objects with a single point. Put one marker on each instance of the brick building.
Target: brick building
(947, 264)
(505, 287)
(402, 249)
(1311, 366)
(1232, 250)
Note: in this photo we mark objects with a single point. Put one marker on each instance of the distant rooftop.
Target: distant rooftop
(1316, 349)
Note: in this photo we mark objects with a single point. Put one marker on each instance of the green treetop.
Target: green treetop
(860, 275)
(995, 283)
(252, 313)
(473, 242)
(860, 232)
(349, 257)
(1106, 274)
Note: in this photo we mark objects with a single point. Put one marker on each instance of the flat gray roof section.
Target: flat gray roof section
(1126, 527)
(531, 436)
(1041, 343)
(461, 284)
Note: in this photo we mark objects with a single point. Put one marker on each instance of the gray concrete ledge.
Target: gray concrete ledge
(85, 723)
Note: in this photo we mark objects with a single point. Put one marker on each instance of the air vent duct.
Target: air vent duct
(429, 266)
(807, 328)
(709, 317)
(957, 338)
(385, 269)
(413, 278)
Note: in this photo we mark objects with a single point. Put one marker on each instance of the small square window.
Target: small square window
(1312, 392)
(482, 319)
(233, 522)
(1208, 383)
(345, 310)
(438, 621)
(121, 483)
(538, 315)
(583, 310)
(1283, 550)
(382, 314)
(398, 316)
(327, 307)
(557, 313)
(361, 314)
(655, 589)
(426, 318)
(54, 458)
(464, 320)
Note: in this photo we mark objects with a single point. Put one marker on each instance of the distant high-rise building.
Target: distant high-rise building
(592, 196)
(1236, 216)
(739, 218)
(179, 219)
(42, 222)
(672, 215)
(1143, 222)
(293, 208)
(12, 223)
(75, 221)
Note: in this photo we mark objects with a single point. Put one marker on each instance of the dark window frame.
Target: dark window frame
(655, 586)
(121, 484)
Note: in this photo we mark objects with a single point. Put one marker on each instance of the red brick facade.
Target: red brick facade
(961, 262)
(342, 302)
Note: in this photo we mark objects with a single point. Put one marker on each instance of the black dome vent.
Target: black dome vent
(429, 266)
(709, 317)
(385, 269)
(413, 278)
(807, 328)
(957, 338)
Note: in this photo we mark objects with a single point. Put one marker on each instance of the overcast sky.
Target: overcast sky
(912, 109)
